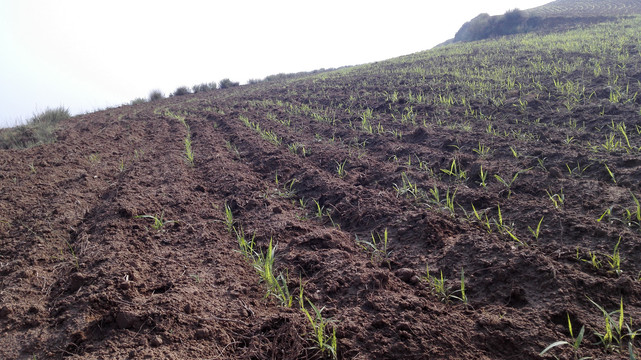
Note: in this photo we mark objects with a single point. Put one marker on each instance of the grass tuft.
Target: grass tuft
(38, 130)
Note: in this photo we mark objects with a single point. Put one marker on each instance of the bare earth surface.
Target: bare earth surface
(83, 277)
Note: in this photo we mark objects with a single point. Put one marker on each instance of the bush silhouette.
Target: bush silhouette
(485, 26)
(156, 95)
(226, 83)
(180, 91)
(137, 101)
(204, 87)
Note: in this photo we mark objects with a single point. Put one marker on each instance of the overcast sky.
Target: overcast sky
(90, 54)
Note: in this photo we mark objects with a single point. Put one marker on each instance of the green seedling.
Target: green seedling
(607, 213)
(615, 331)
(159, 222)
(611, 174)
(378, 249)
(461, 291)
(515, 153)
(622, 129)
(246, 247)
(483, 176)
(593, 259)
(611, 144)
(455, 171)
(576, 342)
(229, 218)
(449, 201)
(614, 260)
(73, 255)
(482, 150)
(407, 188)
(189, 153)
(446, 203)
(233, 148)
(319, 209)
(569, 139)
(557, 199)
(536, 232)
(439, 288)
(636, 214)
(287, 190)
(486, 222)
(542, 163)
(276, 285)
(94, 158)
(578, 170)
(340, 168)
(437, 284)
(325, 342)
(509, 185)
(503, 228)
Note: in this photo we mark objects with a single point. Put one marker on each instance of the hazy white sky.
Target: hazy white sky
(90, 54)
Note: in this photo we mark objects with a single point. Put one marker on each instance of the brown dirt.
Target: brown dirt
(83, 278)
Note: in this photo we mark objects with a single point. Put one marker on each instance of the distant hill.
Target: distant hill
(555, 16)
(587, 8)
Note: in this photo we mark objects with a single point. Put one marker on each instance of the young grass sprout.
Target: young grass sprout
(557, 199)
(614, 260)
(159, 222)
(378, 249)
(536, 232)
(439, 288)
(340, 168)
(575, 344)
(324, 340)
(229, 218)
(483, 175)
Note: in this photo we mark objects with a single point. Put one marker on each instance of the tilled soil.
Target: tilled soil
(86, 275)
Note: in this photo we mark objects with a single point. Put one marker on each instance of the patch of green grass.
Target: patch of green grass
(38, 130)
(617, 332)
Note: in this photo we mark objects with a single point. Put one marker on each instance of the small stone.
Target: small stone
(156, 341)
(404, 274)
(35, 309)
(4, 312)
(76, 282)
(188, 309)
(202, 334)
(126, 320)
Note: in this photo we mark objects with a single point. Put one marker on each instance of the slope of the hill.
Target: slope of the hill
(511, 166)
(587, 8)
(555, 16)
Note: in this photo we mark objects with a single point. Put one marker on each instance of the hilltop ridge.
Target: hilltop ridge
(555, 16)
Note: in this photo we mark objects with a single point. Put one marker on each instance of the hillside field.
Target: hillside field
(465, 202)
